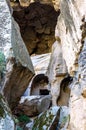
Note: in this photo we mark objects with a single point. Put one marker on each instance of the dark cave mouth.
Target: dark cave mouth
(37, 26)
(44, 92)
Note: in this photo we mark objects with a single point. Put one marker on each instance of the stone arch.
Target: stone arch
(63, 99)
(39, 85)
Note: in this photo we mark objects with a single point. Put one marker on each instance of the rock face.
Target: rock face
(71, 30)
(19, 69)
(59, 71)
(16, 82)
(37, 25)
(41, 62)
(6, 119)
(69, 24)
(33, 105)
(71, 33)
(63, 99)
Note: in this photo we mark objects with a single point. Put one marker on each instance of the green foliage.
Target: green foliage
(2, 62)
(19, 128)
(24, 119)
(1, 111)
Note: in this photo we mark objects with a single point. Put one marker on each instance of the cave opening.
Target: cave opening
(44, 92)
(37, 25)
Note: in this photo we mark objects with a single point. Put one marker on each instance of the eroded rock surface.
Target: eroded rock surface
(71, 29)
(47, 120)
(18, 63)
(37, 25)
(57, 70)
(52, 119)
(6, 119)
(33, 105)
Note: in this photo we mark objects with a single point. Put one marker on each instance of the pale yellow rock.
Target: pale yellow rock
(56, 71)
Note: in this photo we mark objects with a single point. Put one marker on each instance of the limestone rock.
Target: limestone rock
(41, 62)
(16, 81)
(56, 4)
(58, 72)
(48, 120)
(6, 119)
(19, 66)
(65, 90)
(29, 125)
(68, 29)
(78, 95)
(37, 25)
(71, 29)
(64, 118)
(33, 105)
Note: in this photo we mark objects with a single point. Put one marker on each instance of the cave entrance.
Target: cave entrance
(37, 26)
(44, 92)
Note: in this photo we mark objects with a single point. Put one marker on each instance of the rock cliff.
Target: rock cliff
(66, 70)
(71, 32)
(17, 59)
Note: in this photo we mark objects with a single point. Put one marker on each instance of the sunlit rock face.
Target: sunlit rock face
(37, 25)
(25, 3)
(41, 62)
(57, 70)
(68, 29)
(71, 30)
(18, 63)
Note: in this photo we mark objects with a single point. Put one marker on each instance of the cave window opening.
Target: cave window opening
(44, 92)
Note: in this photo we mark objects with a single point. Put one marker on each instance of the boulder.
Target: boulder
(33, 105)
(19, 69)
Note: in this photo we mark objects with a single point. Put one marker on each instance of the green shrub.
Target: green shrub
(2, 62)
(24, 118)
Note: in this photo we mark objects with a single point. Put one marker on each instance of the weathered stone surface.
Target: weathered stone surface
(26, 3)
(68, 29)
(19, 48)
(16, 81)
(71, 29)
(29, 125)
(64, 95)
(56, 4)
(37, 24)
(78, 97)
(19, 69)
(48, 120)
(40, 63)
(33, 105)
(6, 119)
(64, 119)
(56, 70)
